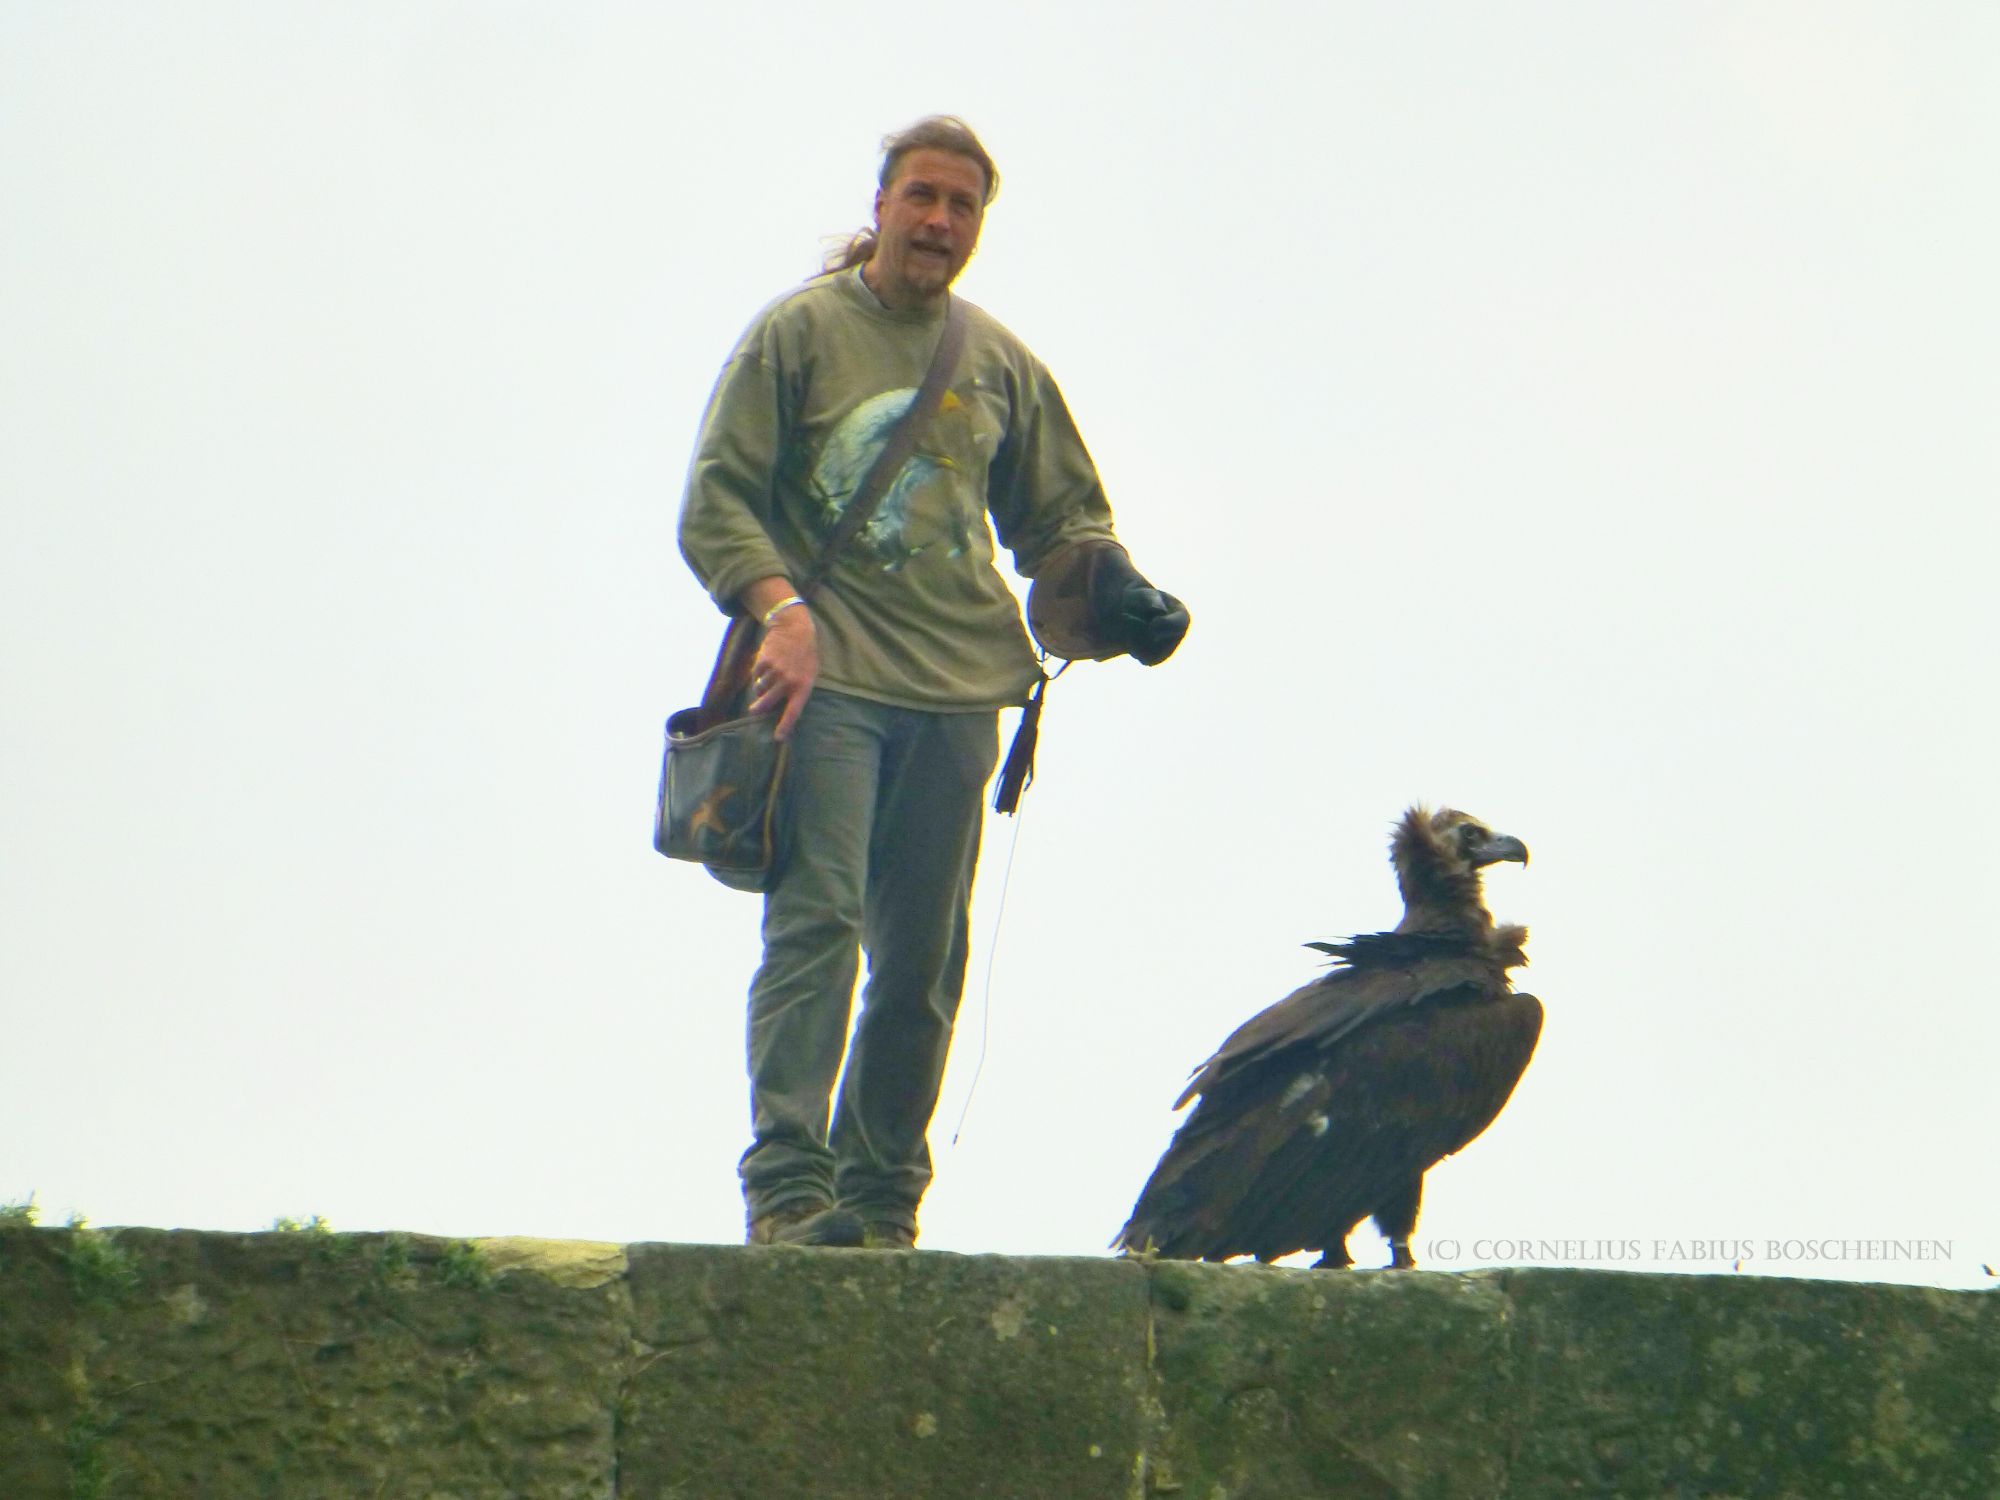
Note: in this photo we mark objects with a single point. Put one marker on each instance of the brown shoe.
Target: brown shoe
(807, 1224)
(879, 1234)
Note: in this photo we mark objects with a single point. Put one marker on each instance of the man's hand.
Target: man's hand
(787, 662)
(1150, 625)
(1148, 622)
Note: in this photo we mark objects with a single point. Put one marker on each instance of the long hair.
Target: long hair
(935, 133)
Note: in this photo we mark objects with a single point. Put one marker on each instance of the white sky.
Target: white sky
(1580, 414)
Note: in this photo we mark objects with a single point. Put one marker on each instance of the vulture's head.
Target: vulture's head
(1438, 857)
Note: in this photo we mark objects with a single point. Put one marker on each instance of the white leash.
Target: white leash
(992, 952)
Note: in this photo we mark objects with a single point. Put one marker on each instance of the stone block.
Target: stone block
(1685, 1386)
(854, 1375)
(1279, 1384)
(317, 1367)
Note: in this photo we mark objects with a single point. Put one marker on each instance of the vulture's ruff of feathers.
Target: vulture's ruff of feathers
(1329, 1107)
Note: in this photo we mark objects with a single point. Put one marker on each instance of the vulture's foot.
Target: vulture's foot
(1400, 1258)
(1336, 1259)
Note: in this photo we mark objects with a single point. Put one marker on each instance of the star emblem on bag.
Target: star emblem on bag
(707, 812)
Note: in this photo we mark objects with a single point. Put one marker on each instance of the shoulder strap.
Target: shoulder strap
(896, 452)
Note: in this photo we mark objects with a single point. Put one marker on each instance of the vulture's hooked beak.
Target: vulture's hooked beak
(1502, 846)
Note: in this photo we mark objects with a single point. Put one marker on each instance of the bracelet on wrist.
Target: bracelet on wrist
(779, 608)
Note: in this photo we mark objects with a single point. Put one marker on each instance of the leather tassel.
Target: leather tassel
(1019, 768)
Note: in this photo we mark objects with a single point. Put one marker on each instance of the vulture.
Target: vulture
(1329, 1107)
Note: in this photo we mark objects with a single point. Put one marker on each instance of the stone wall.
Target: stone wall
(388, 1367)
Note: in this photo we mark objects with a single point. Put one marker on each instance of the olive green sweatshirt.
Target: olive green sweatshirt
(914, 612)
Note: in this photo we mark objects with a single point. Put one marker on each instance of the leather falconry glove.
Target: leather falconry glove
(1148, 622)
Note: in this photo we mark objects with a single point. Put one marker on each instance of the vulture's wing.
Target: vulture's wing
(1319, 1014)
(1290, 1151)
(1200, 1199)
(1411, 1091)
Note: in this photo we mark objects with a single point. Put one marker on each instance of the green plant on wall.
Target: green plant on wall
(462, 1265)
(328, 1248)
(392, 1261)
(99, 1271)
(19, 1215)
(83, 1445)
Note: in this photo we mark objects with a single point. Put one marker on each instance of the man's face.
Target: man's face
(926, 223)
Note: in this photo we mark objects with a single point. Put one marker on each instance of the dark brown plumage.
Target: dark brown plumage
(1329, 1107)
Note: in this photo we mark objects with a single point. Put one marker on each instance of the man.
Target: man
(889, 682)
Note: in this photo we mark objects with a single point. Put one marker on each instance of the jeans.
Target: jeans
(878, 833)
